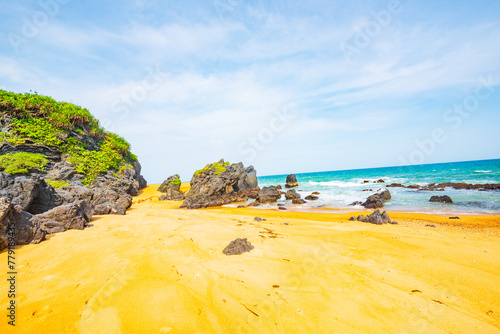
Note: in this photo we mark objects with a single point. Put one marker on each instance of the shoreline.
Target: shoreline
(308, 272)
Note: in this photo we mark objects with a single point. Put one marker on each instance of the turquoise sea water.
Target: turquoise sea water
(340, 188)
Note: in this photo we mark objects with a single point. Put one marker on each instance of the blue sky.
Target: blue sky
(288, 86)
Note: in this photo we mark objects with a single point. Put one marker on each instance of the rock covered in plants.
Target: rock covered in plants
(220, 183)
(441, 199)
(170, 187)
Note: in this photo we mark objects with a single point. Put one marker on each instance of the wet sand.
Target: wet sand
(160, 269)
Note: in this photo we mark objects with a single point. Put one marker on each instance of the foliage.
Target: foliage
(22, 162)
(176, 182)
(57, 184)
(42, 120)
(37, 129)
(219, 168)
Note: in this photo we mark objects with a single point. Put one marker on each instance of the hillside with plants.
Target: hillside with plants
(35, 120)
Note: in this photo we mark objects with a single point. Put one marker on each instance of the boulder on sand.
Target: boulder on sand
(238, 247)
(291, 181)
(74, 216)
(220, 183)
(170, 187)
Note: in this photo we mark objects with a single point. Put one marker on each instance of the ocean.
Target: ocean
(338, 189)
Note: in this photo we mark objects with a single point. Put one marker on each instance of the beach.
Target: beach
(160, 269)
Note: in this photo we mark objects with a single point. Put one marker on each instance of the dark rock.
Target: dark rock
(311, 198)
(238, 247)
(377, 218)
(367, 189)
(298, 201)
(315, 193)
(170, 189)
(291, 194)
(279, 187)
(253, 204)
(360, 218)
(269, 195)
(31, 193)
(51, 152)
(66, 217)
(291, 181)
(430, 225)
(280, 204)
(282, 208)
(258, 219)
(356, 203)
(377, 200)
(215, 188)
(379, 181)
(441, 199)
(17, 226)
(394, 185)
(241, 206)
(352, 219)
(366, 181)
(454, 218)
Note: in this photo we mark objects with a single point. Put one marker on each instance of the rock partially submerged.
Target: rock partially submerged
(171, 189)
(268, 195)
(220, 183)
(238, 247)
(441, 199)
(442, 186)
(291, 194)
(377, 200)
(311, 197)
(291, 181)
(25, 228)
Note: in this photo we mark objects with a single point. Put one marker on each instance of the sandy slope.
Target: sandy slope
(161, 270)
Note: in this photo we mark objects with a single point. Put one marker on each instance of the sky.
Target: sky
(285, 86)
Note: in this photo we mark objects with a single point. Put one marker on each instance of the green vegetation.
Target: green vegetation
(219, 168)
(70, 128)
(176, 182)
(22, 162)
(57, 184)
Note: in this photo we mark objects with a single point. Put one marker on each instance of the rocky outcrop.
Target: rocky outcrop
(238, 247)
(291, 194)
(269, 195)
(218, 184)
(378, 218)
(170, 187)
(441, 199)
(377, 200)
(291, 181)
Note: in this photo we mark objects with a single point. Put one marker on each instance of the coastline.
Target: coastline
(160, 269)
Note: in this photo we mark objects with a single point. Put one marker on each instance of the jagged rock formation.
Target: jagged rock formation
(23, 228)
(268, 195)
(171, 188)
(220, 183)
(291, 194)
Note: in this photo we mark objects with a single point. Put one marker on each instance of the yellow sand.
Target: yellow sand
(161, 270)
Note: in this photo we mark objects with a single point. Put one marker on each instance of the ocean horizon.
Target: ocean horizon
(338, 189)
